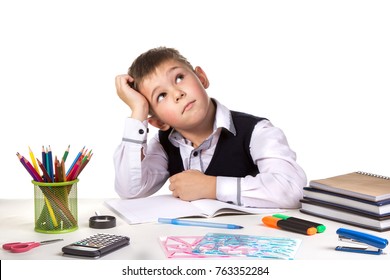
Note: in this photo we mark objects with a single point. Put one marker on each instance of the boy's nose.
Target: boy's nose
(179, 95)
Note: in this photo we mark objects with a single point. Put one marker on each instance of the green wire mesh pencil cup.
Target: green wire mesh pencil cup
(55, 206)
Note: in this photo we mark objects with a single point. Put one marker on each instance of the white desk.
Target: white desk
(17, 224)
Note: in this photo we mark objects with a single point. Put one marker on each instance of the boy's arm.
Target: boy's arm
(192, 185)
(136, 101)
(280, 181)
(135, 177)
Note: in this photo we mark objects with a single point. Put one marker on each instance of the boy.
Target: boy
(204, 149)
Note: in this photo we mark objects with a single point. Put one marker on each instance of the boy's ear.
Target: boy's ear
(158, 124)
(202, 76)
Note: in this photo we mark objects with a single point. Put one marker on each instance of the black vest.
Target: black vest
(232, 155)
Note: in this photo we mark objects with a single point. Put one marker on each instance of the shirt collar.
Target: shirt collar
(223, 119)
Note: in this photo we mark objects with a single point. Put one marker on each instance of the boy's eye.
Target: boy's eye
(179, 78)
(161, 96)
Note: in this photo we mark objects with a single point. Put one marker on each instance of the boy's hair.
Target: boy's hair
(146, 63)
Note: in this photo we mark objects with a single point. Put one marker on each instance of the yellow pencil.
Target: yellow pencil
(34, 162)
(49, 208)
(51, 212)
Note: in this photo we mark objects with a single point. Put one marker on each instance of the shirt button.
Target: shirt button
(195, 154)
(141, 131)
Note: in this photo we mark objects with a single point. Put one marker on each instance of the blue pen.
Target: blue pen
(199, 224)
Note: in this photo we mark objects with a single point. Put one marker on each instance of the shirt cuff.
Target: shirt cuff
(135, 131)
(228, 190)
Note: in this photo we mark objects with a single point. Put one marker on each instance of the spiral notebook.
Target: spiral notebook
(368, 186)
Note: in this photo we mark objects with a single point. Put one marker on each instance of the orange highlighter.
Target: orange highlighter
(288, 225)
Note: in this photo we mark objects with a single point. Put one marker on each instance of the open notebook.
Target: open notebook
(149, 209)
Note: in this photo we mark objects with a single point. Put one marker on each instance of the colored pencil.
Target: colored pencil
(47, 165)
(37, 178)
(30, 169)
(83, 164)
(57, 168)
(44, 171)
(44, 158)
(73, 173)
(51, 212)
(54, 171)
(49, 170)
(66, 153)
(33, 160)
(51, 167)
(63, 170)
(75, 161)
(49, 207)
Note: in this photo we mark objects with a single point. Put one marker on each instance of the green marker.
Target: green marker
(320, 228)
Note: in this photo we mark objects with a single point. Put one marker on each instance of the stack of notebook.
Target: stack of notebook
(360, 199)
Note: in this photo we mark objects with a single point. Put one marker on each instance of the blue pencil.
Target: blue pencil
(75, 160)
(50, 164)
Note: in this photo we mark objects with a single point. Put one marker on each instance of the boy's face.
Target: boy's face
(177, 95)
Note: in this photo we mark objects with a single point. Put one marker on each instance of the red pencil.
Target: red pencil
(83, 164)
(73, 173)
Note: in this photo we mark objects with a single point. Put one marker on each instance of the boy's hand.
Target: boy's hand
(192, 185)
(136, 101)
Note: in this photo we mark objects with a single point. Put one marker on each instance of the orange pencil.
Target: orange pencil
(63, 170)
(57, 168)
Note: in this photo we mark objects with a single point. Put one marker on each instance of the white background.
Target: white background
(317, 69)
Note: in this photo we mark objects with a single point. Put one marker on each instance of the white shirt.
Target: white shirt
(278, 185)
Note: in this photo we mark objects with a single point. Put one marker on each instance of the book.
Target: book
(346, 208)
(149, 209)
(362, 185)
(345, 215)
(379, 208)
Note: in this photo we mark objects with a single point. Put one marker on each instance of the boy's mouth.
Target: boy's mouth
(188, 106)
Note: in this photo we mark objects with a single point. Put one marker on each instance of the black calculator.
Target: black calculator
(96, 245)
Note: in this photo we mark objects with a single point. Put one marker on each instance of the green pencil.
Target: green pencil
(66, 153)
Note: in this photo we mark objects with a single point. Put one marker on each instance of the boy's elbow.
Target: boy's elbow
(295, 194)
(124, 191)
